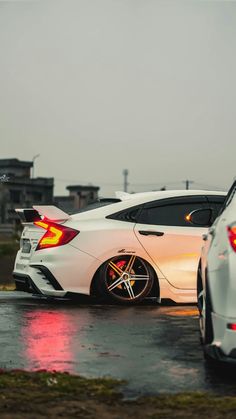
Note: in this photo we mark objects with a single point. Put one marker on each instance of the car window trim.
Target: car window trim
(176, 200)
(228, 198)
(179, 200)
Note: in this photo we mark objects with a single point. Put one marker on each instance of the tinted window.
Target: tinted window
(172, 213)
(129, 215)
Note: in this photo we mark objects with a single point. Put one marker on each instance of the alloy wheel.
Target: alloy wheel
(128, 278)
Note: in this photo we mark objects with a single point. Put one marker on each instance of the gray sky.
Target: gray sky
(97, 86)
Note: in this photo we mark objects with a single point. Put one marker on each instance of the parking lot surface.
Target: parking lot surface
(154, 347)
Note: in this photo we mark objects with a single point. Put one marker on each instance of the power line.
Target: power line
(143, 184)
(217, 188)
(114, 184)
(86, 182)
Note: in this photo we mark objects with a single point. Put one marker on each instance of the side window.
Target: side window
(173, 213)
(130, 215)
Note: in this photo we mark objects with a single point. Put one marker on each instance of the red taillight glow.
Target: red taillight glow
(231, 326)
(56, 234)
(232, 236)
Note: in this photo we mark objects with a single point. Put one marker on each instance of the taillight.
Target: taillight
(56, 235)
(232, 236)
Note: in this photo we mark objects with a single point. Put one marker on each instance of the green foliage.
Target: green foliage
(44, 394)
(51, 385)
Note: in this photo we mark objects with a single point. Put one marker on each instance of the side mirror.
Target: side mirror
(201, 217)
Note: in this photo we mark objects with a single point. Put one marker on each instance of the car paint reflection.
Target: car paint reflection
(155, 348)
(180, 311)
(47, 337)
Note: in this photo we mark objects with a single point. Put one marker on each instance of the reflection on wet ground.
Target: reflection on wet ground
(156, 348)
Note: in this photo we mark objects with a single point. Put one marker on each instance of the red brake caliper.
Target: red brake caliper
(120, 264)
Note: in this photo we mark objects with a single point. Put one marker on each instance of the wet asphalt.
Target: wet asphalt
(156, 348)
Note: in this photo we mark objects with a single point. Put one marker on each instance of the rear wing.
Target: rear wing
(122, 196)
(28, 215)
(39, 212)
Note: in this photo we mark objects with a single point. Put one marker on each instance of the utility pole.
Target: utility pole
(187, 183)
(33, 159)
(125, 174)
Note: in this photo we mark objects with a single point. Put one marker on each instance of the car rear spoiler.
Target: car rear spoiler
(38, 212)
(28, 215)
(122, 196)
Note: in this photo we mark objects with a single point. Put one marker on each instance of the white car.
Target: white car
(141, 246)
(216, 282)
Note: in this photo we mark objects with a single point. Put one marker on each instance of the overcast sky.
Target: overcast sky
(98, 86)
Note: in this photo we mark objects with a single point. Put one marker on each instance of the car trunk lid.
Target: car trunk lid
(31, 233)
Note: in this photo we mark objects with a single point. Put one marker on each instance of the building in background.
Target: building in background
(79, 197)
(19, 190)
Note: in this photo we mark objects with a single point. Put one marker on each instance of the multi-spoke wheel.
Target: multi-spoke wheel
(125, 278)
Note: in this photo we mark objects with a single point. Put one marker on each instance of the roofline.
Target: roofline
(15, 163)
(169, 193)
(140, 199)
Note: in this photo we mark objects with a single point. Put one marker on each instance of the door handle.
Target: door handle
(151, 233)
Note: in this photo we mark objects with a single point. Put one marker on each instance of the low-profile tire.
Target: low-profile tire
(126, 279)
(200, 300)
(208, 335)
(199, 289)
(208, 328)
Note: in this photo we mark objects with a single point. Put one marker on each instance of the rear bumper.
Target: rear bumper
(68, 267)
(24, 283)
(48, 284)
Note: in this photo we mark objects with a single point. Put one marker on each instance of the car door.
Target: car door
(170, 240)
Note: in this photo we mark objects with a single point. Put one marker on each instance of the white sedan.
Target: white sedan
(141, 246)
(216, 283)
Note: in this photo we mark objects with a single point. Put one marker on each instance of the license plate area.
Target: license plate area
(26, 246)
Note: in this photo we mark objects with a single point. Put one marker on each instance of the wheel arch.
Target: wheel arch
(155, 290)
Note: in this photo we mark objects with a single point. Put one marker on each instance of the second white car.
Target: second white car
(216, 282)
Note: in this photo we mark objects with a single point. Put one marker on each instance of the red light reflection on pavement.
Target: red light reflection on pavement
(47, 340)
